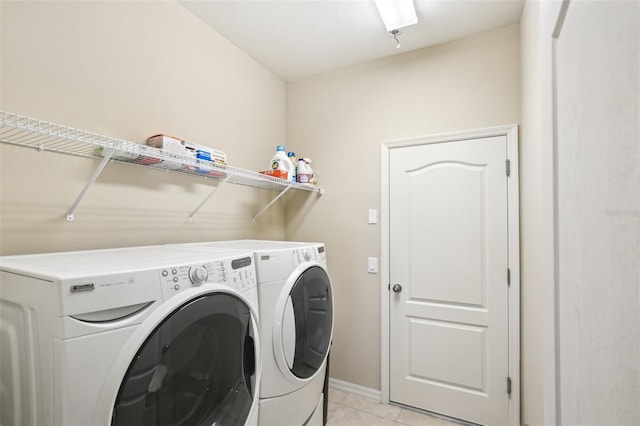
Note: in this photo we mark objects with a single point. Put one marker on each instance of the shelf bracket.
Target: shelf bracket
(213, 191)
(107, 156)
(270, 203)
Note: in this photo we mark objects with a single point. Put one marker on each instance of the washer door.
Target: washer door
(197, 367)
(304, 323)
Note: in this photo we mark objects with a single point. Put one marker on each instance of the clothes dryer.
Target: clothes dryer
(296, 320)
(135, 336)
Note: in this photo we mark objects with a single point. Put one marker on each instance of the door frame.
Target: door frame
(513, 226)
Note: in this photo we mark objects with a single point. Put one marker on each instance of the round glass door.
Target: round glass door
(197, 367)
(312, 305)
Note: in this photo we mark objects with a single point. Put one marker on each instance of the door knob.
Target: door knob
(397, 288)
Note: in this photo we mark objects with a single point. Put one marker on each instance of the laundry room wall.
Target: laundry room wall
(339, 120)
(597, 81)
(536, 230)
(131, 70)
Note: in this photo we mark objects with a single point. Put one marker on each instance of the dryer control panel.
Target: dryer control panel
(238, 273)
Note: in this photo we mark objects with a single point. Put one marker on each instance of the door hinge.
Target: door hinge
(389, 286)
(508, 167)
(509, 385)
(509, 276)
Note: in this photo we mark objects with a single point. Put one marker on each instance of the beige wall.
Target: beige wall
(339, 119)
(130, 70)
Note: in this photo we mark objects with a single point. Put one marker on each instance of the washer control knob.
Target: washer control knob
(198, 274)
(306, 253)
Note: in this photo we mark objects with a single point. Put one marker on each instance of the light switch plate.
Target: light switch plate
(372, 265)
(373, 216)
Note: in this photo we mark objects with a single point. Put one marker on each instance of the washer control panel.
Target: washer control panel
(237, 273)
(309, 254)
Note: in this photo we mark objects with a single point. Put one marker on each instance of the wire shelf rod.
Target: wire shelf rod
(29, 132)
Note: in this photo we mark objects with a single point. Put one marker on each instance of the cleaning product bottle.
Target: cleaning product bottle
(312, 177)
(294, 165)
(313, 180)
(281, 163)
(303, 172)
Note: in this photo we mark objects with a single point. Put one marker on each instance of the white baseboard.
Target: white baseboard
(354, 389)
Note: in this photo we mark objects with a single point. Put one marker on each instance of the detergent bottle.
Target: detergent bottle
(281, 162)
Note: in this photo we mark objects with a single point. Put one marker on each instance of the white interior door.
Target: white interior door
(448, 268)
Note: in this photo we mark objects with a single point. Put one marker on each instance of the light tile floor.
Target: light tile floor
(347, 409)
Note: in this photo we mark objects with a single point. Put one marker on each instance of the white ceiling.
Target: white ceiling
(299, 38)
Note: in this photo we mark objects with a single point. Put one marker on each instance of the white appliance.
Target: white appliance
(296, 320)
(135, 336)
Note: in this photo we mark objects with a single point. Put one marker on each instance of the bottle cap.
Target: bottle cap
(280, 148)
(291, 154)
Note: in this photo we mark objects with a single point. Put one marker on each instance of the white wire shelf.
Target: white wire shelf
(30, 132)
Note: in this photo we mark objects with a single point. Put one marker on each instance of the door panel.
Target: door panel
(448, 343)
(431, 219)
(448, 250)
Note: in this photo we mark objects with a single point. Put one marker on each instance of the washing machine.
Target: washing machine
(296, 320)
(134, 336)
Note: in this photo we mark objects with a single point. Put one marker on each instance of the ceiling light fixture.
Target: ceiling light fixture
(397, 13)
(395, 34)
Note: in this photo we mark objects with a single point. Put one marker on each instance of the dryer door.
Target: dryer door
(195, 368)
(304, 323)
